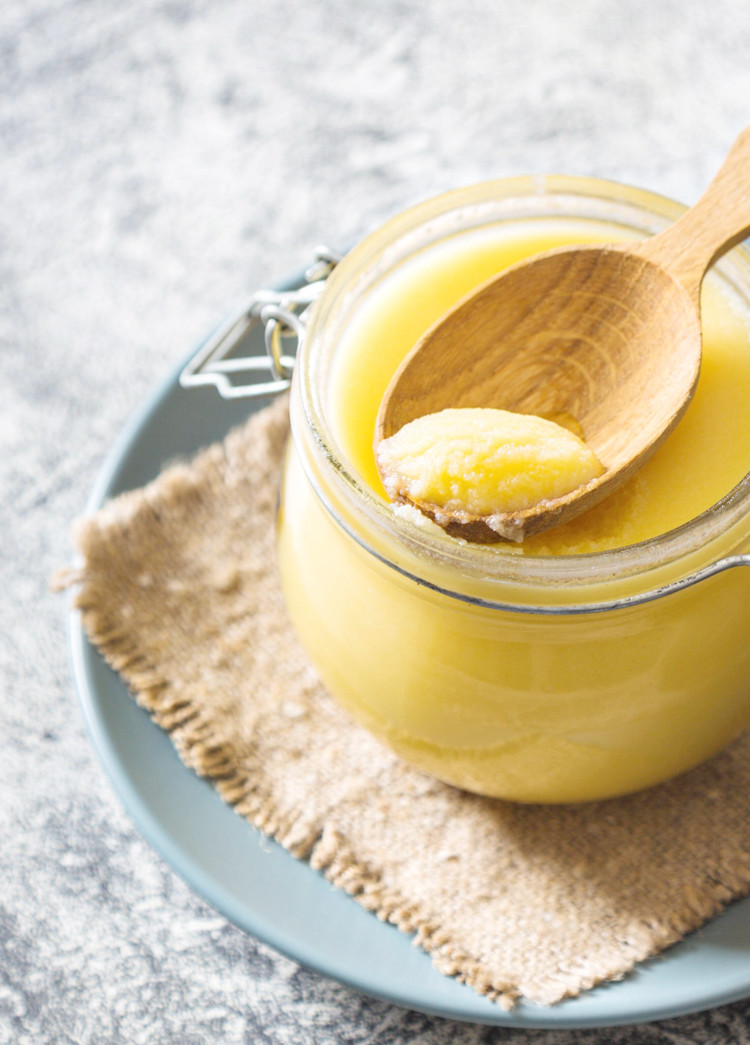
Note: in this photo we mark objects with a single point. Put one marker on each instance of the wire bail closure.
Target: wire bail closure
(283, 315)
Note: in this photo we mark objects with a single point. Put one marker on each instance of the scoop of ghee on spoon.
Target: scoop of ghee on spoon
(606, 338)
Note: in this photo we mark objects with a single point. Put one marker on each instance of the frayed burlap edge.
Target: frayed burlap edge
(213, 758)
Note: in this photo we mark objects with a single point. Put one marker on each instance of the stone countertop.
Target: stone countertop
(160, 159)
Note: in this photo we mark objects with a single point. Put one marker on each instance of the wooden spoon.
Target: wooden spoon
(607, 336)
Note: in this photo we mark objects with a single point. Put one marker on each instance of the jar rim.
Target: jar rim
(517, 197)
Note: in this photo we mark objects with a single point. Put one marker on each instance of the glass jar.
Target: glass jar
(538, 678)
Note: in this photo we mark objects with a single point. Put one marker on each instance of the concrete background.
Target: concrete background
(158, 160)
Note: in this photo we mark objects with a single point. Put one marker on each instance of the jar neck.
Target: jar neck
(679, 557)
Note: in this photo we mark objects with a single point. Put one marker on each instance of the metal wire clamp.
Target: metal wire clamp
(282, 314)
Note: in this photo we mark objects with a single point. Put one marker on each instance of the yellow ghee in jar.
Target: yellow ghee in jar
(478, 689)
(712, 440)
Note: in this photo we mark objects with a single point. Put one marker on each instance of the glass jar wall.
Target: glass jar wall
(583, 667)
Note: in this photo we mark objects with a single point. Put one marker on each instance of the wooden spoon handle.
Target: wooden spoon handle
(719, 220)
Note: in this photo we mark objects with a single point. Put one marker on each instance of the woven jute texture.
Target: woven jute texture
(178, 589)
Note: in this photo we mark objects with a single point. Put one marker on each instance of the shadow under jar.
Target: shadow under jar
(594, 660)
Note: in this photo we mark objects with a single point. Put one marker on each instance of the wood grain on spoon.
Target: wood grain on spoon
(609, 336)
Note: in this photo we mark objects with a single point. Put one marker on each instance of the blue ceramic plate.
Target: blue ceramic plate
(261, 888)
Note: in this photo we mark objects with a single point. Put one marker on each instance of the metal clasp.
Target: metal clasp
(283, 315)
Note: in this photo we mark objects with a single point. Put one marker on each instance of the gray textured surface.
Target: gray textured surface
(158, 159)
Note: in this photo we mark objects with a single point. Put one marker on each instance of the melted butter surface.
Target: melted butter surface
(701, 461)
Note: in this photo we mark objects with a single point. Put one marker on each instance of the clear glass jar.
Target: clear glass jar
(538, 678)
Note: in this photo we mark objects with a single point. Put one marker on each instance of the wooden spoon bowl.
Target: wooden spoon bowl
(605, 340)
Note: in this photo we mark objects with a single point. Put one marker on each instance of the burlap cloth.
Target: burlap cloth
(179, 591)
